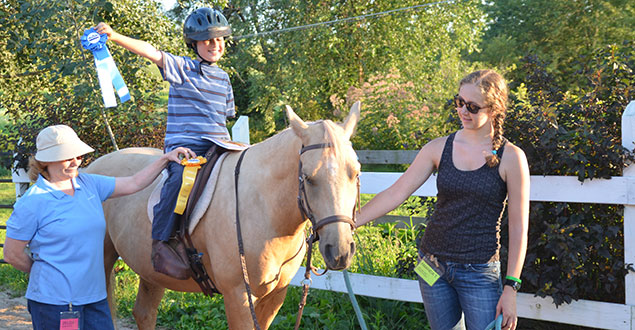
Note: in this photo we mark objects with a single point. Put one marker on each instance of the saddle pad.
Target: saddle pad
(203, 202)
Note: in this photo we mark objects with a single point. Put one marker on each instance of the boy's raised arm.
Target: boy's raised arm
(136, 46)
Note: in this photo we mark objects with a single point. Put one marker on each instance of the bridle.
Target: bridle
(303, 201)
(307, 213)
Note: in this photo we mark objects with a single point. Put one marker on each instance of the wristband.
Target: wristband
(517, 280)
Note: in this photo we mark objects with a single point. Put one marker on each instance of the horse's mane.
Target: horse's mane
(331, 135)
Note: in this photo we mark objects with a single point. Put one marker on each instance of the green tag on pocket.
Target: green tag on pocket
(430, 269)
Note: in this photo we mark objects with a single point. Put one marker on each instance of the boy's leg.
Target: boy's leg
(165, 259)
(164, 216)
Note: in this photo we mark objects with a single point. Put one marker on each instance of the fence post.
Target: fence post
(240, 130)
(628, 141)
(21, 181)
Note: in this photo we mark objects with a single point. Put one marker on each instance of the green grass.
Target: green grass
(11, 280)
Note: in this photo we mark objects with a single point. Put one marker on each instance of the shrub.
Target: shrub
(575, 251)
(394, 114)
(142, 124)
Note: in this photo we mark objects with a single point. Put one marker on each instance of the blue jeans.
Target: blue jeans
(92, 316)
(164, 216)
(467, 294)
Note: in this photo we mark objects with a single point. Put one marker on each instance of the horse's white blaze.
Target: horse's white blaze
(332, 168)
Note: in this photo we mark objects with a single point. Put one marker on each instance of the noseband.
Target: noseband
(303, 201)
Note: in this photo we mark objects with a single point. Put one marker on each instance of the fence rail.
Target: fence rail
(586, 313)
(618, 190)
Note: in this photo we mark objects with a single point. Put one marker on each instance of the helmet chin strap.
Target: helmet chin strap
(203, 61)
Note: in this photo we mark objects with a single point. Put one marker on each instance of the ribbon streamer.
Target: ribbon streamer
(107, 71)
(189, 176)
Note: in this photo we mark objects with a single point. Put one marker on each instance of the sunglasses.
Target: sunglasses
(79, 158)
(459, 102)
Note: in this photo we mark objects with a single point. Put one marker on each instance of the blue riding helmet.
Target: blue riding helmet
(204, 24)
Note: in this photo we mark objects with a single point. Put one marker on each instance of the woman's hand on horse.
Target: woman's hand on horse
(179, 153)
(131, 184)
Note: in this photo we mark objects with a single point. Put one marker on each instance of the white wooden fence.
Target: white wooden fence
(618, 190)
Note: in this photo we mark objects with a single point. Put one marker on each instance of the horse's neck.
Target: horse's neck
(279, 155)
(273, 166)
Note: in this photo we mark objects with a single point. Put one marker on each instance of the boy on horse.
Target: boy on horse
(200, 100)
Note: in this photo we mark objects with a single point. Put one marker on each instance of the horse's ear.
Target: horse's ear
(296, 123)
(351, 120)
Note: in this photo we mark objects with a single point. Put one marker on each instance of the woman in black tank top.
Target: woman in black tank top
(479, 172)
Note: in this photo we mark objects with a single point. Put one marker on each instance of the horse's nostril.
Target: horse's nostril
(328, 254)
(352, 251)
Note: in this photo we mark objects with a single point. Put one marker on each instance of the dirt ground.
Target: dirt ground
(15, 316)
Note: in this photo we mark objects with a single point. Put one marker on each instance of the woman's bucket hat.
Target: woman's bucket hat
(59, 142)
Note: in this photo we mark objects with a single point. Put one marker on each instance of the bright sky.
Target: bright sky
(167, 4)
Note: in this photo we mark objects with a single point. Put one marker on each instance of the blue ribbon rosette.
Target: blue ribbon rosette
(107, 71)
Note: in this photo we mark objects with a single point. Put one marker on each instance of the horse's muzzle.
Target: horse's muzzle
(338, 258)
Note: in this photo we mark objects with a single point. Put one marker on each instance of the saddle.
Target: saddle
(182, 243)
(193, 256)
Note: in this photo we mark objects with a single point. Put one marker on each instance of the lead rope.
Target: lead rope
(241, 249)
(306, 283)
(310, 240)
(347, 281)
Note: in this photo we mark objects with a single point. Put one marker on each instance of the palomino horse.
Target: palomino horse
(273, 228)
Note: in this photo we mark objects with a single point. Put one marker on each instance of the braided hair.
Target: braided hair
(494, 90)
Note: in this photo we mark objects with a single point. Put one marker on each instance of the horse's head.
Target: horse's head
(329, 178)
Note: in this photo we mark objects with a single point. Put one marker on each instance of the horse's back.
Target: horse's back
(124, 162)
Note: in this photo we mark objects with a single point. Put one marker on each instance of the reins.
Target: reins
(307, 213)
(241, 248)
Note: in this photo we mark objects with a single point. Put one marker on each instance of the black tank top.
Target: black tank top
(465, 226)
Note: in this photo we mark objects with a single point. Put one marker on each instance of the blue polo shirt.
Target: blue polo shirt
(66, 235)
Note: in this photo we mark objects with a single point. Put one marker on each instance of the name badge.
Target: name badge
(69, 320)
(430, 269)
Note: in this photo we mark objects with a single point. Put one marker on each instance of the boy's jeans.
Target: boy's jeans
(164, 216)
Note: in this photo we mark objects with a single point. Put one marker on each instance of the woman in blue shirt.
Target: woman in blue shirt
(61, 220)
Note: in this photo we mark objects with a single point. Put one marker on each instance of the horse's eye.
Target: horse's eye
(308, 179)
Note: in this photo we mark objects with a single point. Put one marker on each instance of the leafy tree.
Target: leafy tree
(393, 116)
(562, 32)
(46, 77)
(305, 67)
